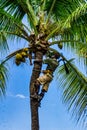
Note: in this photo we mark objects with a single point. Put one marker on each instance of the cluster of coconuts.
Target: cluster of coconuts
(21, 56)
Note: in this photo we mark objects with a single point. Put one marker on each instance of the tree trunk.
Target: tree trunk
(34, 103)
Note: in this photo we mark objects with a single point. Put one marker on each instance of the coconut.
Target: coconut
(18, 56)
(23, 59)
(25, 49)
(24, 54)
(17, 62)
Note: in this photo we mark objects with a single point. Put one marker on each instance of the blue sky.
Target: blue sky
(15, 108)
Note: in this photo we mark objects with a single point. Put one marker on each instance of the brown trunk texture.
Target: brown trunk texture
(34, 103)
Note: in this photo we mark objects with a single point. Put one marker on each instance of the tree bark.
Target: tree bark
(34, 103)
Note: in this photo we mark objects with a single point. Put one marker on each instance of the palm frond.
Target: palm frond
(32, 13)
(9, 24)
(62, 41)
(51, 8)
(70, 22)
(63, 8)
(76, 24)
(80, 48)
(3, 78)
(14, 8)
(80, 11)
(3, 42)
(19, 9)
(74, 86)
(77, 48)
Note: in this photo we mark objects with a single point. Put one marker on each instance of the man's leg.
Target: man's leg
(41, 95)
(37, 86)
(36, 90)
(43, 91)
(40, 81)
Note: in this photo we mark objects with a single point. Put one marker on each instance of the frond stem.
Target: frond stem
(13, 33)
(53, 3)
(57, 42)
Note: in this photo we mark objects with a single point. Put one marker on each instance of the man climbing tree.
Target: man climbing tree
(52, 62)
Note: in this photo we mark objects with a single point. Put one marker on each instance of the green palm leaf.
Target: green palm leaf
(11, 25)
(74, 86)
(3, 42)
(3, 78)
(13, 7)
(19, 9)
(66, 26)
(63, 8)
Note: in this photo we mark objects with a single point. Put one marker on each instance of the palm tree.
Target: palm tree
(49, 22)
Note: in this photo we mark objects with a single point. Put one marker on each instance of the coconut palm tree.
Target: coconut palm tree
(49, 22)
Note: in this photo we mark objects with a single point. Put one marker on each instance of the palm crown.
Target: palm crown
(49, 22)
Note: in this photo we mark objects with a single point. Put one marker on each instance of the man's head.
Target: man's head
(56, 55)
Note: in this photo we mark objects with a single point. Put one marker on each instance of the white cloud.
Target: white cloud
(21, 96)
